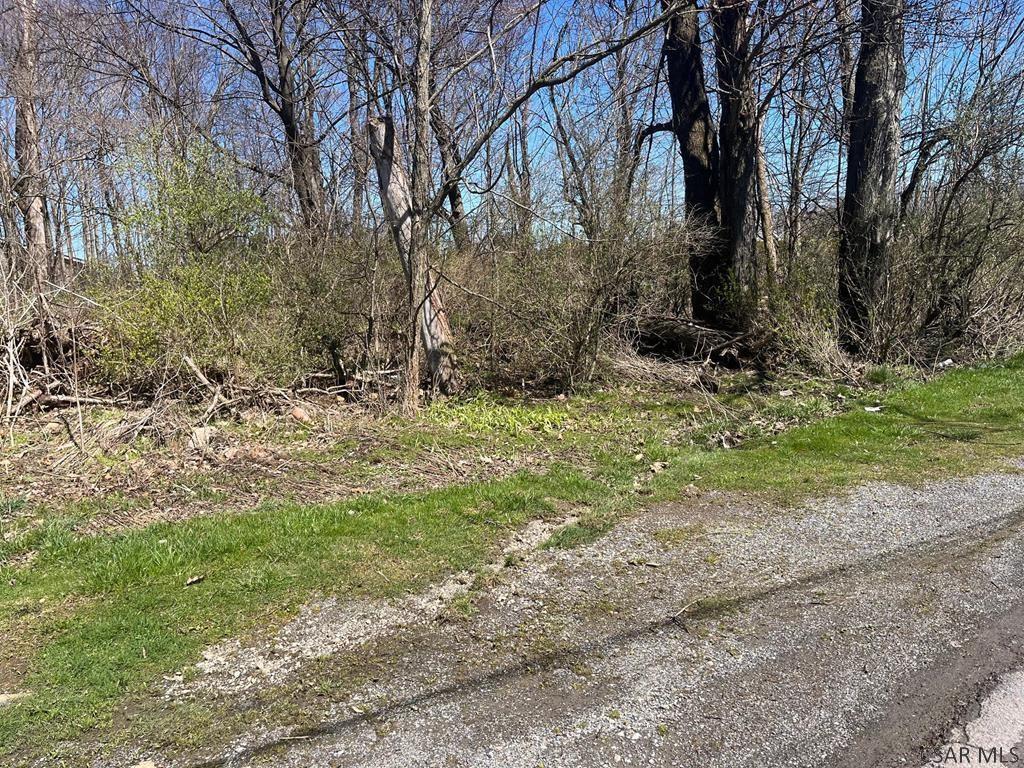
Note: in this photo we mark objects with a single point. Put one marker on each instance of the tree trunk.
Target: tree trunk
(54, 235)
(301, 147)
(357, 138)
(291, 100)
(114, 207)
(8, 220)
(396, 195)
(29, 183)
(294, 107)
(764, 207)
(796, 172)
(524, 179)
(870, 206)
(695, 135)
(844, 21)
(305, 165)
(624, 98)
(844, 42)
(449, 153)
(71, 264)
(737, 137)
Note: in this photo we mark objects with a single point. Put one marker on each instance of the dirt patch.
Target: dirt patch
(330, 627)
(14, 661)
(102, 475)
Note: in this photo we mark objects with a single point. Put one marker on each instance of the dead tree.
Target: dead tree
(871, 205)
(425, 295)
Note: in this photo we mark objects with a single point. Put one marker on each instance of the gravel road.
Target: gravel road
(879, 628)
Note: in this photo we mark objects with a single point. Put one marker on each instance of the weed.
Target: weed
(671, 538)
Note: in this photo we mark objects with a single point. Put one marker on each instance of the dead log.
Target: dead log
(673, 338)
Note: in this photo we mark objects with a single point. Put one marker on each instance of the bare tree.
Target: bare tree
(698, 144)
(531, 218)
(426, 306)
(288, 94)
(29, 181)
(410, 229)
(354, 49)
(871, 206)
(273, 41)
(737, 139)
(449, 154)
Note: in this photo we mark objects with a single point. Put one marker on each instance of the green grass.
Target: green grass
(670, 538)
(132, 614)
(577, 534)
(22, 536)
(962, 421)
(106, 616)
(485, 414)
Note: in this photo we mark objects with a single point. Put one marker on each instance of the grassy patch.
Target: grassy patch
(575, 535)
(144, 602)
(670, 538)
(23, 535)
(485, 414)
(960, 422)
(109, 614)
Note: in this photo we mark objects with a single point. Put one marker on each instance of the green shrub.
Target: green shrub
(221, 316)
(194, 207)
(205, 286)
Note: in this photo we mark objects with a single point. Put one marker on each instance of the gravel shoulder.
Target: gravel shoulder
(720, 631)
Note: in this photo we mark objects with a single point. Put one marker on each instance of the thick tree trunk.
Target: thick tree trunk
(296, 113)
(396, 195)
(871, 206)
(695, 135)
(307, 180)
(29, 182)
(737, 139)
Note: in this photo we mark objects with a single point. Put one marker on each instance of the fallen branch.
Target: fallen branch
(55, 401)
